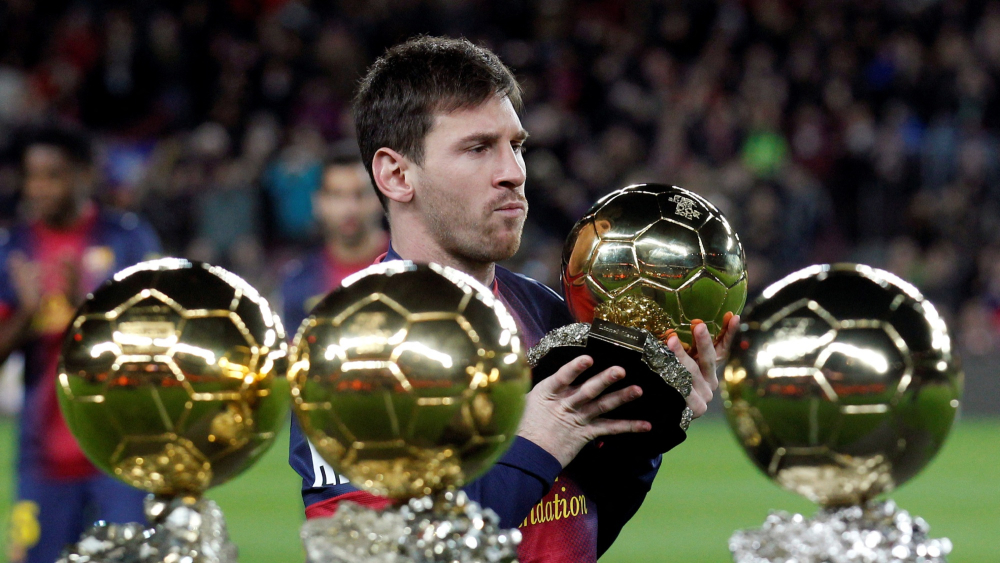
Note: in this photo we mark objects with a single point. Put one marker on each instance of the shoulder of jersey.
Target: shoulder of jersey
(537, 288)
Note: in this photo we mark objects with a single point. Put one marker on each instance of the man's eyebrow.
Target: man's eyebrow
(490, 137)
(479, 138)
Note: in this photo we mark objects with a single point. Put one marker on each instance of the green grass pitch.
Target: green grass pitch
(706, 489)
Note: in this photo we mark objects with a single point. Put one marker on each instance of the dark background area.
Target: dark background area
(826, 131)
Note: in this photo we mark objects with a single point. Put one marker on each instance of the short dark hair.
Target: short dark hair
(397, 98)
(74, 143)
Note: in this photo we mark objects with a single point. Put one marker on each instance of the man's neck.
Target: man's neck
(418, 249)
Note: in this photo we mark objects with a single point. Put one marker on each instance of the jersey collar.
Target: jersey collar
(391, 254)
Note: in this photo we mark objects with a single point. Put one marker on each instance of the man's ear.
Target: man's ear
(390, 170)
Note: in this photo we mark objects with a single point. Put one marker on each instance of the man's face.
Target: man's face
(470, 187)
(345, 205)
(53, 184)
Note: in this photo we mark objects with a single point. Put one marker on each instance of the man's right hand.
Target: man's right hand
(562, 418)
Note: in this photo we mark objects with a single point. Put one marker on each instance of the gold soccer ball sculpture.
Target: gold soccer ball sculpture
(172, 376)
(842, 384)
(655, 257)
(409, 379)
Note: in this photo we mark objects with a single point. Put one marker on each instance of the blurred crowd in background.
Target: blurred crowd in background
(857, 130)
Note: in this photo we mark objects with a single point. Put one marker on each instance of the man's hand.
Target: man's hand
(704, 363)
(562, 418)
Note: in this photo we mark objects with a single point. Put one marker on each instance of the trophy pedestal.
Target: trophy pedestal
(647, 362)
(180, 529)
(877, 532)
(445, 528)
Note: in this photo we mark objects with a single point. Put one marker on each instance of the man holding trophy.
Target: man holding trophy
(438, 129)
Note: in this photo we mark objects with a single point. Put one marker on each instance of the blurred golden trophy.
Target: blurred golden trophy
(842, 386)
(172, 380)
(646, 262)
(410, 381)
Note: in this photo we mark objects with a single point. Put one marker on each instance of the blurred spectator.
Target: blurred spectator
(826, 131)
(226, 221)
(62, 247)
(350, 218)
(290, 181)
(226, 204)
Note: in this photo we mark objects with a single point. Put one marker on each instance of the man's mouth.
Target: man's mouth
(512, 208)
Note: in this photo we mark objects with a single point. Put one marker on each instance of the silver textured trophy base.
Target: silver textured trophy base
(188, 530)
(655, 354)
(878, 532)
(446, 528)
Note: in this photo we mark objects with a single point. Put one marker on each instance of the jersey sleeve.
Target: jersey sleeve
(618, 481)
(320, 482)
(510, 488)
(516, 483)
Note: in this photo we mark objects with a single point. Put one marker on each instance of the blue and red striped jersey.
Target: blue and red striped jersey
(75, 260)
(565, 515)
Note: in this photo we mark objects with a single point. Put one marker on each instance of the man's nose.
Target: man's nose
(511, 172)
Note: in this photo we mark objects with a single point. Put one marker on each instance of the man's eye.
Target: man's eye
(479, 149)
(519, 148)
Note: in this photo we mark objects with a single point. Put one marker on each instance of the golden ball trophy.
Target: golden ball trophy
(842, 386)
(171, 378)
(410, 381)
(644, 263)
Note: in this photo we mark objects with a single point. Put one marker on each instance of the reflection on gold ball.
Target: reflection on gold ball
(172, 376)
(655, 257)
(842, 384)
(409, 379)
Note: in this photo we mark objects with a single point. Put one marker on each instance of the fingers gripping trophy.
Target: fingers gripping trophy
(409, 381)
(646, 262)
(842, 386)
(171, 378)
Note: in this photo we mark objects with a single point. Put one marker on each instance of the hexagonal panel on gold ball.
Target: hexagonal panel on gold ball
(409, 379)
(842, 384)
(171, 376)
(658, 249)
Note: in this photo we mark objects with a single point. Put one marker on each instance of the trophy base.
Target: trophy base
(181, 529)
(647, 363)
(445, 528)
(877, 532)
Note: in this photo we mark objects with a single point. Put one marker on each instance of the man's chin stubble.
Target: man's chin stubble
(490, 252)
(508, 250)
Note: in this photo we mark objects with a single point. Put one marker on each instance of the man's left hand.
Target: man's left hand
(704, 362)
